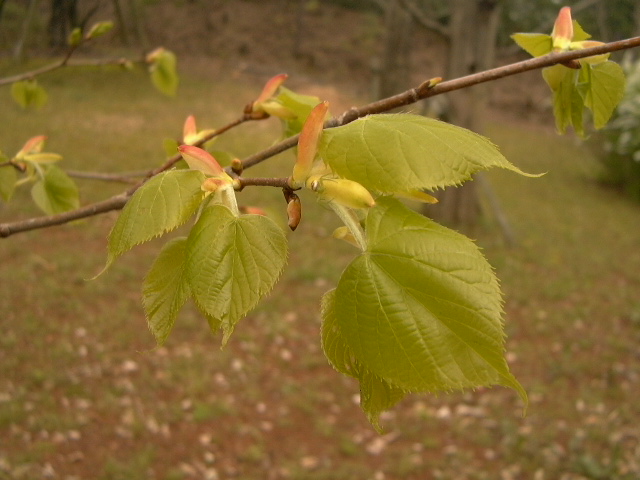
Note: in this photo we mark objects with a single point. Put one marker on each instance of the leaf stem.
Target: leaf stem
(349, 218)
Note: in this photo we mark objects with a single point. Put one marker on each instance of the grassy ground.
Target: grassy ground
(84, 394)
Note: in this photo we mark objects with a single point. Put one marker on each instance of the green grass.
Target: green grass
(83, 389)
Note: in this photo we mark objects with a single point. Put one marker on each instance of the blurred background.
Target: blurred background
(86, 394)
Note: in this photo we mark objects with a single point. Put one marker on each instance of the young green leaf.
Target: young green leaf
(403, 152)
(568, 105)
(55, 192)
(165, 289)
(232, 262)
(535, 44)
(162, 204)
(163, 71)
(99, 29)
(8, 178)
(300, 105)
(421, 308)
(29, 94)
(376, 394)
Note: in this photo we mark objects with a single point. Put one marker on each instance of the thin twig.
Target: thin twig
(278, 182)
(108, 177)
(413, 95)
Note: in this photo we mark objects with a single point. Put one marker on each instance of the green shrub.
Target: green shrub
(621, 154)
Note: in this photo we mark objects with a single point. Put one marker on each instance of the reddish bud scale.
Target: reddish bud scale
(199, 159)
(189, 128)
(271, 87)
(33, 145)
(308, 142)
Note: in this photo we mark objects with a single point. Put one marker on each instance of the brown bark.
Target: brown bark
(396, 65)
(473, 30)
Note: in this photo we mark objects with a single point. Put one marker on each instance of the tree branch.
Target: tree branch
(425, 21)
(425, 90)
(64, 62)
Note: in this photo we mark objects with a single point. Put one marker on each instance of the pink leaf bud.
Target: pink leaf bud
(562, 33)
(308, 143)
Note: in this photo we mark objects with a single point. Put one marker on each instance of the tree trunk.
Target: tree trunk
(64, 17)
(396, 61)
(137, 19)
(18, 49)
(122, 24)
(474, 27)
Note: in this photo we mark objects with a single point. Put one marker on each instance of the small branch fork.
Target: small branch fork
(425, 90)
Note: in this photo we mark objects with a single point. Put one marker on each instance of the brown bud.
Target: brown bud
(294, 211)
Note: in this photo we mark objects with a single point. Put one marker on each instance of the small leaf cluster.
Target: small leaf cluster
(593, 83)
(52, 190)
(419, 308)
(162, 66)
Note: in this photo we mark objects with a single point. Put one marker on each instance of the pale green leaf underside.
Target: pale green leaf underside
(568, 105)
(162, 204)
(8, 178)
(604, 90)
(232, 262)
(422, 308)
(300, 105)
(401, 152)
(28, 93)
(55, 192)
(165, 289)
(376, 394)
(535, 44)
(163, 73)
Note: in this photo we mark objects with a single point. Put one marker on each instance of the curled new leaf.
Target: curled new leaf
(342, 191)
